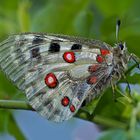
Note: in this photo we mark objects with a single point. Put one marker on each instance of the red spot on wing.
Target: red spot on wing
(92, 80)
(65, 101)
(104, 52)
(72, 108)
(51, 80)
(99, 58)
(93, 68)
(69, 57)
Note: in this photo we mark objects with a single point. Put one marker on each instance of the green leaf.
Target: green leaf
(3, 120)
(109, 108)
(124, 100)
(8, 124)
(90, 107)
(133, 42)
(136, 96)
(4, 83)
(23, 16)
(134, 79)
(8, 90)
(13, 128)
(8, 8)
(7, 26)
(113, 7)
(108, 29)
(83, 22)
(58, 16)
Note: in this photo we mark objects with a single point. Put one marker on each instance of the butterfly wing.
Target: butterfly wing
(56, 72)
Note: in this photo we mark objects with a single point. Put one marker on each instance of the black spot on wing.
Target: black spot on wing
(37, 40)
(35, 53)
(76, 47)
(54, 47)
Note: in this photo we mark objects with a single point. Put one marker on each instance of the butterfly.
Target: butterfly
(57, 72)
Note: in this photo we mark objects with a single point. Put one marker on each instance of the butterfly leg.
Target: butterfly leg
(128, 85)
(113, 77)
(113, 86)
(129, 88)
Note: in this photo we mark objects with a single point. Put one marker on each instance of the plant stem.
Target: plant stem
(13, 104)
(109, 122)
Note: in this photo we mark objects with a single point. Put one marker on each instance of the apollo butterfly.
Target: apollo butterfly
(57, 72)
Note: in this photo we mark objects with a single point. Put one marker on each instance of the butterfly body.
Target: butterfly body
(57, 73)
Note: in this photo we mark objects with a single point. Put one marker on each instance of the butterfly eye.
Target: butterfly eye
(121, 46)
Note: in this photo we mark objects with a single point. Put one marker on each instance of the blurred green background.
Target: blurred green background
(86, 18)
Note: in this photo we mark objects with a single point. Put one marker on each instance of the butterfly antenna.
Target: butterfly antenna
(118, 23)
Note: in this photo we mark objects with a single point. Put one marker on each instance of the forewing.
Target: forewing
(56, 72)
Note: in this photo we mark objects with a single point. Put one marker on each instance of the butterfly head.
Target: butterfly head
(120, 50)
(121, 55)
(122, 47)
